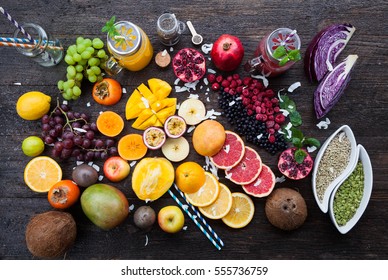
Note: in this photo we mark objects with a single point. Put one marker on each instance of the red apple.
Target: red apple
(171, 219)
(116, 169)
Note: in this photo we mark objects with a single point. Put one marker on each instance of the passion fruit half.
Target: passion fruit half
(154, 137)
(175, 126)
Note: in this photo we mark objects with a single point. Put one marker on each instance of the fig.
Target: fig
(50, 234)
(286, 209)
(144, 217)
(84, 175)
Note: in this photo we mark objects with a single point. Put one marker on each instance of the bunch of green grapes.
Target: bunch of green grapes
(85, 59)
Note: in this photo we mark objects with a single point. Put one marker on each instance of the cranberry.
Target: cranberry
(215, 86)
(211, 78)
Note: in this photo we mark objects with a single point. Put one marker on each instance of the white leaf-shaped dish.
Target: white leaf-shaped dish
(324, 203)
(368, 185)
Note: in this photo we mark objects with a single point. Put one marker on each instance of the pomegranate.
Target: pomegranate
(189, 65)
(227, 52)
(288, 165)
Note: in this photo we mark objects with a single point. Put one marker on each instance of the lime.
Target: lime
(32, 146)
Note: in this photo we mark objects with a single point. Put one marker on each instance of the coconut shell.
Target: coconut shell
(50, 234)
(286, 209)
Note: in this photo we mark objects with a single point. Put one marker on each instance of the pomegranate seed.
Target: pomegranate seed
(215, 86)
(211, 78)
(271, 138)
(219, 79)
(225, 83)
(236, 76)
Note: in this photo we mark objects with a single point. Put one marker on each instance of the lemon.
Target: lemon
(32, 146)
(33, 105)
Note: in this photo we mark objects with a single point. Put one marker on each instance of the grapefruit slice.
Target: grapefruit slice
(231, 153)
(247, 170)
(263, 185)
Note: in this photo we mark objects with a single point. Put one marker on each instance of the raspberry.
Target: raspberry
(271, 138)
(219, 79)
(233, 84)
(215, 86)
(211, 78)
(236, 76)
(225, 83)
(270, 124)
(247, 81)
(280, 118)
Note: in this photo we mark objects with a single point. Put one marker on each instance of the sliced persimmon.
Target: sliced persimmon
(110, 123)
(132, 147)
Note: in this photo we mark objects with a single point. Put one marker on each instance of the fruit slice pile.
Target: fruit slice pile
(243, 166)
(150, 105)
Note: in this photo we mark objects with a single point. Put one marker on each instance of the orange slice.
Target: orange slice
(221, 207)
(207, 194)
(41, 173)
(241, 212)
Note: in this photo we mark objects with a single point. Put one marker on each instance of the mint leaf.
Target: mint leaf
(294, 55)
(312, 142)
(110, 28)
(297, 142)
(284, 61)
(296, 133)
(295, 118)
(300, 155)
(279, 52)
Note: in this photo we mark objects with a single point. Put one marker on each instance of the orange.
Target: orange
(207, 194)
(208, 138)
(221, 207)
(41, 173)
(110, 123)
(132, 147)
(189, 177)
(241, 212)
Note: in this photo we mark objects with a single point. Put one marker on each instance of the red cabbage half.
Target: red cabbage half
(324, 49)
(332, 86)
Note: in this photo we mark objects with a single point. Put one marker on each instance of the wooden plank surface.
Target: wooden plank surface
(363, 108)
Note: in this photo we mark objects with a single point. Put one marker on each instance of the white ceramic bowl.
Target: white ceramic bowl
(368, 185)
(324, 204)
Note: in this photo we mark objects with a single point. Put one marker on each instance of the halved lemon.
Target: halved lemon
(221, 207)
(241, 212)
(41, 173)
(207, 194)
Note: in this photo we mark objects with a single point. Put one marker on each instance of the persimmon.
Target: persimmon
(110, 123)
(63, 194)
(132, 147)
(107, 92)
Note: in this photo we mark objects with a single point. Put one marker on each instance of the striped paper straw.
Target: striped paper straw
(15, 23)
(26, 46)
(18, 40)
(194, 220)
(200, 216)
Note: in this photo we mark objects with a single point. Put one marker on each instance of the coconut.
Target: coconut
(50, 234)
(286, 209)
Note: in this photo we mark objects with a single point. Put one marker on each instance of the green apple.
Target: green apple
(171, 219)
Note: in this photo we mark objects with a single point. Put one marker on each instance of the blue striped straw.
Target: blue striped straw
(15, 23)
(200, 216)
(18, 40)
(194, 220)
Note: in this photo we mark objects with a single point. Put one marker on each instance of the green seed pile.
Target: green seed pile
(348, 197)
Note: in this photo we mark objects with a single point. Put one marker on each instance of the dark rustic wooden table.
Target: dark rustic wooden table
(363, 108)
